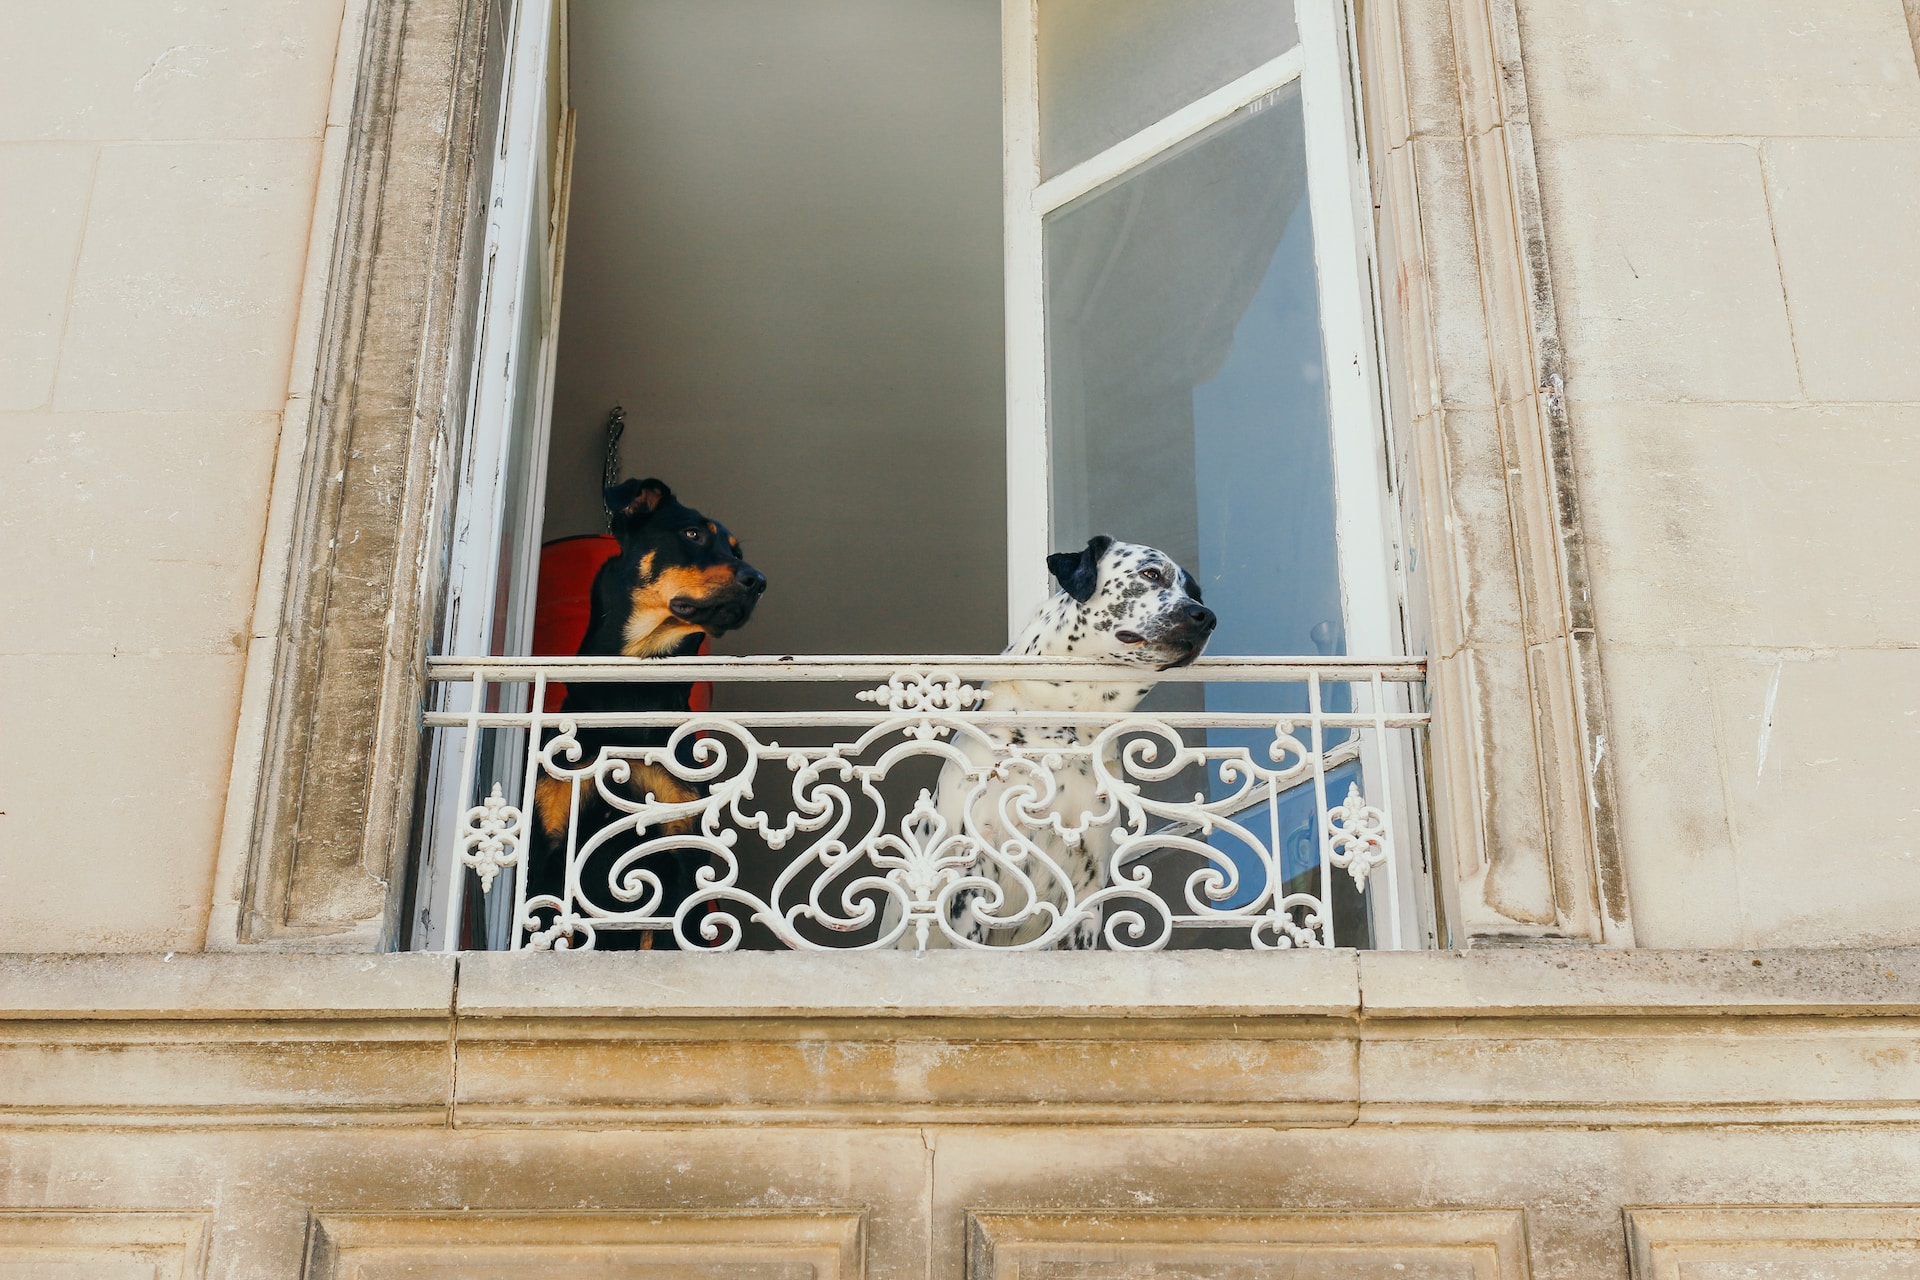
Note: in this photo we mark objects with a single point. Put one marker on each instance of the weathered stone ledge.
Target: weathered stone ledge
(1522, 982)
(1543, 1036)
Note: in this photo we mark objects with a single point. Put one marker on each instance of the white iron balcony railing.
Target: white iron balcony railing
(1250, 802)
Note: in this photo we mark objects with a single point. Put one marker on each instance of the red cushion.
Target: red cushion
(567, 569)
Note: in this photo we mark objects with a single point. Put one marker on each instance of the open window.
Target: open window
(909, 293)
(492, 564)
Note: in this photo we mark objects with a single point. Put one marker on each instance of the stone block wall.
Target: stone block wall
(1733, 205)
(158, 179)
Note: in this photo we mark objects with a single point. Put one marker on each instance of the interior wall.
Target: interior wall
(784, 261)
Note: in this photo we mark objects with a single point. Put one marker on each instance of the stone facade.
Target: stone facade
(1500, 1114)
(1725, 214)
(1649, 272)
(162, 174)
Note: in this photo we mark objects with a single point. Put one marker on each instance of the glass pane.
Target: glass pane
(1188, 399)
(1109, 68)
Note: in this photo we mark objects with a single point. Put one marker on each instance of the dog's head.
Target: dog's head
(1134, 604)
(681, 573)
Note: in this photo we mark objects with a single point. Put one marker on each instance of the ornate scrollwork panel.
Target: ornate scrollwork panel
(933, 824)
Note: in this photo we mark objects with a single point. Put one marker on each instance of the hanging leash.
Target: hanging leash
(610, 468)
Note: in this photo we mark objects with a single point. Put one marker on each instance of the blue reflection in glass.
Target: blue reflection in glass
(1267, 556)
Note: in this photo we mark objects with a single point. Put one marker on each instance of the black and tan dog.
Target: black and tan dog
(679, 578)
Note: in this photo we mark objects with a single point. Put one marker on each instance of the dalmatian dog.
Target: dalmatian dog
(1118, 603)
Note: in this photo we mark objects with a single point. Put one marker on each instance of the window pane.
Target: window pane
(1109, 68)
(1187, 397)
(1189, 411)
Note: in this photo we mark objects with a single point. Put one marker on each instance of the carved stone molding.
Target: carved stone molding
(319, 813)
(1733, 1242)
(1486, 1244)
(104, 1244)
(1524, 801)
(793, 1245)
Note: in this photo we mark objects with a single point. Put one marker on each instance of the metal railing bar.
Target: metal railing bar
(847, 758)
(880, 668)
(1257, 799)
(867, 719)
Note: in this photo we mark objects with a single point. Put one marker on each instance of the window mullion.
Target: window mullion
(1029, 493)
(1167, 132)
(1365, 527)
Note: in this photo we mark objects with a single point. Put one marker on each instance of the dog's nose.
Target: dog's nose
(1201, 616)
(750, 579)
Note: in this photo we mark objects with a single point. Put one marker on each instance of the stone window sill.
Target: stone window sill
(1543, 981)
(1536, 1036)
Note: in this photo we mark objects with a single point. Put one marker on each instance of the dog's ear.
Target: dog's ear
(632, 501)
(1191, 586)
(1078, 572)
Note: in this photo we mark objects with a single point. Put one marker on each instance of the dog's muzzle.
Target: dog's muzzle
(728, 608)
(1188, 632)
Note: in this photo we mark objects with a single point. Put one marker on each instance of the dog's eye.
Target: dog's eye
(695, 534)
(1153, 575)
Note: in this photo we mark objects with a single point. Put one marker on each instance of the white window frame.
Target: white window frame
(525, 219)
(1366, 514)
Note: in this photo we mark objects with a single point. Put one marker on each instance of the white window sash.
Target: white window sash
(1366, 520)
(517, 272)
(1366, 523)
